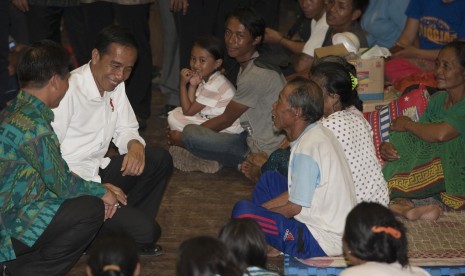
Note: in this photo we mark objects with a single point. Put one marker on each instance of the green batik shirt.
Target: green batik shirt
(35, 180)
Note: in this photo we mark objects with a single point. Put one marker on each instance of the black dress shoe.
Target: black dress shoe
(3, 270)
(155, 250)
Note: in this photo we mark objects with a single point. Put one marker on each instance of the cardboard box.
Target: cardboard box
(372, 105)
(370, 75)
(334, 50)
(370, 72)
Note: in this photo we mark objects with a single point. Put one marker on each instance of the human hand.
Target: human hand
(185, 75)
(400, 124)
(388, 152)
(406, 51)
(110, 199)
(179, 5)
(13, 57)
(134, 160)
(196, 79)
(21, 5)
(272, 36)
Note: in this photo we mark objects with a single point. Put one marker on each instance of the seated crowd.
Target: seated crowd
(297, 131)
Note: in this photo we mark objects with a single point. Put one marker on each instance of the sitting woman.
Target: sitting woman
(343, 116)
(375, 243)
(426, 157)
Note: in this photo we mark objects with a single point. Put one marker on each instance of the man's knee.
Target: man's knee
(86, 208)
(158, 159)
(191, 134)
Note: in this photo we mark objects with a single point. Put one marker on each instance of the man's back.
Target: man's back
(334, 194)
(35, 179)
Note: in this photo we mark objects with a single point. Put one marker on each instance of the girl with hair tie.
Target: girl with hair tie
(375, 243)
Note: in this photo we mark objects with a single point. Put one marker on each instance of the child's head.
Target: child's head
(372, 233)
(246, 241)
(205, 256)
(114, 253)
(206, 56)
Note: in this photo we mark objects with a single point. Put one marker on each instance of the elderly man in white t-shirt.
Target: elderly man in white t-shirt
(303, 215)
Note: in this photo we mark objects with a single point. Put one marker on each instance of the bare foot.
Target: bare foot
(401, 206)
(257, 159)
(427, 212)
(273, 252)
(250, 171)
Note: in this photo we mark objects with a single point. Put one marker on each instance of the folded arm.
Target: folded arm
(283, 206)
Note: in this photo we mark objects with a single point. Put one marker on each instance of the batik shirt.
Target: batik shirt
(35, 180)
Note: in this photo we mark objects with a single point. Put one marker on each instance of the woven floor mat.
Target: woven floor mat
(431, 243)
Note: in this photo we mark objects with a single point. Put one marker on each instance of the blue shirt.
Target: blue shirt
(384, 21)
(440, 23)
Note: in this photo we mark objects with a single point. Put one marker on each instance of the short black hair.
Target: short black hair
(40, 62)
(251, 20)
(361, 5)
(205, 256)
(308, 96)
(246, 241)
(114, 34)
(374, 246)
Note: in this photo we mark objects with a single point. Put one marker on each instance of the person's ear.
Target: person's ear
(257, 40)
(297, 111)
(88, 271)
(218, 63)
(53, 82)
(137, 270)
(356, 14)
(95, 56)
(334, 96)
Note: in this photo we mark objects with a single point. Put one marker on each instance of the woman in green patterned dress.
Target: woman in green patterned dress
(426, 159)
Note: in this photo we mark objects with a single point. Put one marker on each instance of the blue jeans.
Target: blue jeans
(228, 149)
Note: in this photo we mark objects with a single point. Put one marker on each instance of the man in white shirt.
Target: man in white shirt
(304, 60)
(95, 112)
(304, 214)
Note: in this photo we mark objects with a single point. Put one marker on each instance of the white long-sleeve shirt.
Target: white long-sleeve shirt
(86, 123)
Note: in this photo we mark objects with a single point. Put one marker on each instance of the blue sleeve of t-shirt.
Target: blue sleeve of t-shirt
(305, 178)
